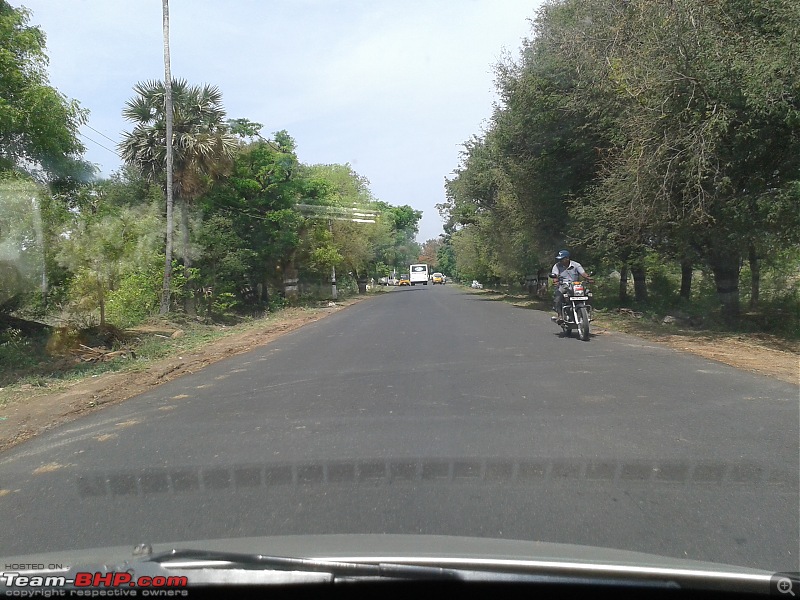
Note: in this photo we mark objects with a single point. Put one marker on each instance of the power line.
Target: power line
(99, 144)
(100, 132)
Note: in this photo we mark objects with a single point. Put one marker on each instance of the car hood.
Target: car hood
(485, 554)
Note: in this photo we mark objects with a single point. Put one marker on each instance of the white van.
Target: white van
(419, 274)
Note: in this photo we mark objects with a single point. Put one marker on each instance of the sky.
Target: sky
(392, 87)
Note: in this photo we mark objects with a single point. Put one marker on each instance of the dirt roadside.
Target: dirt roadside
(755, 353)
(34, 411)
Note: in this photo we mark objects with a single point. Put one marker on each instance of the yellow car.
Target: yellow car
(437, 278)
(404, 280)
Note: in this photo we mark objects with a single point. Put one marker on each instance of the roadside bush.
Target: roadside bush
(224, 303)
(136, 298)
(15, 350)
(277, 302)
(778, 308)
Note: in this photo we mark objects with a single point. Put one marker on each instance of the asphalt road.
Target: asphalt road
(428, 410)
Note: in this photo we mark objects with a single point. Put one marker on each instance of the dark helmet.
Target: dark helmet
(562, 254)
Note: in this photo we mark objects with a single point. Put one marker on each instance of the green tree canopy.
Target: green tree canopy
(38, 125)
(631, 128)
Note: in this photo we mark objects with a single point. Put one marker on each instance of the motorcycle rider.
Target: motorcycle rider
(564, 272)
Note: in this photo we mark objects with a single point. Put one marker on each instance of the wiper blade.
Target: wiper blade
(341, 571)
(188, 559)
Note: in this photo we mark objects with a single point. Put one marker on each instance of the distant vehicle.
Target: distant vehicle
(404, 280)
(419, 274)
(475, 285)
(437, 278)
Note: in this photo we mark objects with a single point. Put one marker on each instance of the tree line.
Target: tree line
(256, 226)
(641, 134)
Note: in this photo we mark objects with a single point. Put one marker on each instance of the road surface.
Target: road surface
(429, 410)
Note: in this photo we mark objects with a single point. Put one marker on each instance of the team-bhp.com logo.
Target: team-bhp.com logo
(92, 584)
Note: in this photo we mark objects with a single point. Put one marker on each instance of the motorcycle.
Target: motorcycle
(576, 312)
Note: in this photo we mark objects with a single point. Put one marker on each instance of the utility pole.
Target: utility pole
(334, 293)
(167, 285)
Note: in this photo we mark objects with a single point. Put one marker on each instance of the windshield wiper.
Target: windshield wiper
(341, 571)
(195, 559)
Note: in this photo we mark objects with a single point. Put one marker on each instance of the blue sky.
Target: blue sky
(393, 87)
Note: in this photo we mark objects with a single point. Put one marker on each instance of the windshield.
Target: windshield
(206, 211)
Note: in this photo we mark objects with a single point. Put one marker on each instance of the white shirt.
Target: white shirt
(572, 272)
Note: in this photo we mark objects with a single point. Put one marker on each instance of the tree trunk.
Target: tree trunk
(755, 276)
(101, 293)
(686, 279)
(189, 304)
(43, 233)
(165, 292)
(725, 267)
(543, 283)
(265, 290)
(291, 290)
(45, 287)
(361, 280)
(623, 284)
(208, 292)
(639, 283)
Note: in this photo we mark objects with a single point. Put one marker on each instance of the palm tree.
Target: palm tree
(203, 147)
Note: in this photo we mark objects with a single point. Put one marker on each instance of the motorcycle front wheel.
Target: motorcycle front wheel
(583, 324)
